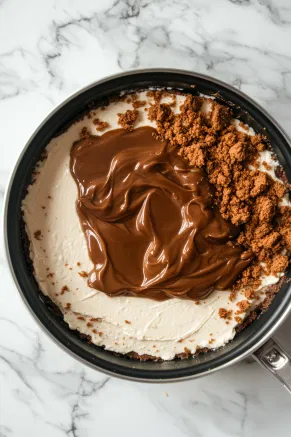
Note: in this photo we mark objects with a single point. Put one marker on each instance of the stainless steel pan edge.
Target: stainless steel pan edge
(266, 351)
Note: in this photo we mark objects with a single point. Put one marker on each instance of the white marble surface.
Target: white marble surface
(50, 48)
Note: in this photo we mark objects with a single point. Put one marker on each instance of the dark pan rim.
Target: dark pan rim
(75, 346)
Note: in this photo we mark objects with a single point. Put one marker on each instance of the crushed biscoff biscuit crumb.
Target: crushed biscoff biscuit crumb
(84, 133)
(128, 119)
(100, 125)
(245, 196)
(138, 103)
(64, 289)
(83, 274)
(242, 306)
(37, 235)
(224, 313)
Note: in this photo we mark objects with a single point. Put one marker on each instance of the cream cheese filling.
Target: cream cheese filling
(60, 258)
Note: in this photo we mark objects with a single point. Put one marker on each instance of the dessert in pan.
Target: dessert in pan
(159, 224)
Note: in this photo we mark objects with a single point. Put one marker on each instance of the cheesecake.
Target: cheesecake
(158, 224)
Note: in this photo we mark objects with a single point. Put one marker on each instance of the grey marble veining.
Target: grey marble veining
(49, 49)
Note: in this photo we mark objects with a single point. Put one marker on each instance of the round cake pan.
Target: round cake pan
(255, 338)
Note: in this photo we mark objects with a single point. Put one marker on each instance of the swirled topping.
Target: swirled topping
(149, 219)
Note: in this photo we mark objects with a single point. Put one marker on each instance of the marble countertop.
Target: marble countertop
(49, 49)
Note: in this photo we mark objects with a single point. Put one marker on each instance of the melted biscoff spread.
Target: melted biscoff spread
(149, 219)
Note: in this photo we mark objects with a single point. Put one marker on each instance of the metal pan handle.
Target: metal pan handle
(273, 357)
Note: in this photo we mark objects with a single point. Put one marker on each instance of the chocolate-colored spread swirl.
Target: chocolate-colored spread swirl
(149, 220)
